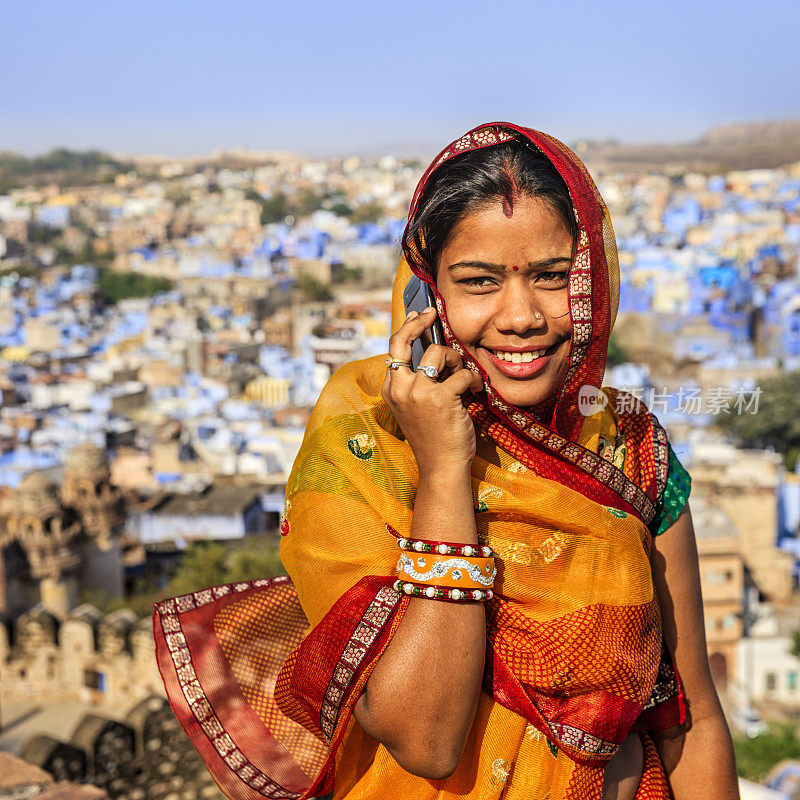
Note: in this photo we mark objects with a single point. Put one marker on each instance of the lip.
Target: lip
(521, 371)
(528, 349)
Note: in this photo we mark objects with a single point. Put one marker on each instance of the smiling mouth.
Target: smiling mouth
(523, 356)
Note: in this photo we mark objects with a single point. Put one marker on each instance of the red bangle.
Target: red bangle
(445, 593)
(443, 548)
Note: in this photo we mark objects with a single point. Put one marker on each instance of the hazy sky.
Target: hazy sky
(339, 76)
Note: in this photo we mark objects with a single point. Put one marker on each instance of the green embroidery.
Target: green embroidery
(485, 493)
(361, 446)
(478, 504)
(616, 512)
(676, 493)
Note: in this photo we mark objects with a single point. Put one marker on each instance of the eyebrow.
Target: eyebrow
(499, 268)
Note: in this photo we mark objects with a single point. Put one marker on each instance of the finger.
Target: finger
(411, 329)
(441, 357)
(397, 384)
(462, 381)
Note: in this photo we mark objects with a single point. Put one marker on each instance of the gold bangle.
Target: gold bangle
(457, 572)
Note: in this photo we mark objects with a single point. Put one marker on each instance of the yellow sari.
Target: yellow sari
(264, 675)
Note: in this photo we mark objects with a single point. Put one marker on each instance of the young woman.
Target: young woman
(573, 664)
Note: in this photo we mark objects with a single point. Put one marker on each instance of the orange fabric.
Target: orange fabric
(503, 758)
(574, 656)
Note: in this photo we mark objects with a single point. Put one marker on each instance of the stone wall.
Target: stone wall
(102, 660)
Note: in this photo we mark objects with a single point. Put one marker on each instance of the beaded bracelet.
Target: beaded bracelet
(442, 592)
(443, 548)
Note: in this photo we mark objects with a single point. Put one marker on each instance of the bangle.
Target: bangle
(442, 592)
(443, 548)
(462, 572)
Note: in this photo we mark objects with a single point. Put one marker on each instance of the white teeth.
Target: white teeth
(517, 357)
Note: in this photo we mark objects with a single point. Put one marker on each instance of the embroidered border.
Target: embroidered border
(586, 460)
(660, 456)
(665, 687)
(483, 137)
(581, 740)
(169, 614)
(365, 633)
(580, 304)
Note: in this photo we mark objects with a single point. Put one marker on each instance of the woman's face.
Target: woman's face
(504, 280)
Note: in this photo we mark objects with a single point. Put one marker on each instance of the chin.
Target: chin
(529, 392)
(523, 398)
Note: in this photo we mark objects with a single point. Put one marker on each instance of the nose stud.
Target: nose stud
(538, 315)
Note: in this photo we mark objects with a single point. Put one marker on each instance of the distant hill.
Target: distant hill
(750, 145)
(62, 166)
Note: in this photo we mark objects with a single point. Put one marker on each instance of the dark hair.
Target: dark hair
(473, 179)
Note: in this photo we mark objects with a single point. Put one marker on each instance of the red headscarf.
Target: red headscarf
(553, 448)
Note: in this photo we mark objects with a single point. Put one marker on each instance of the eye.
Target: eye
(555, 277)
(479, 282)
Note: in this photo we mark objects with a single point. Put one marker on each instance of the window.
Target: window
(92, 679)
(728, 621)
(791, 680)
(770, 681)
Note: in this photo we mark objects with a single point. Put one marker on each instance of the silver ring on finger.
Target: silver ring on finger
(396, 363)
(429, 371)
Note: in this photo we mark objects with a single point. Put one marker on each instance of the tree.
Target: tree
(312, 290)
(794, 647)
(255, 561)
(777, 421)
(306, 202)
(68, 167)
(274, 209)
(756, 757)
(616, 353)
(118, 286)
(368, 212)
(178, 194)
(43, 234)
(203, 564)
(341, 209)
(345, 274)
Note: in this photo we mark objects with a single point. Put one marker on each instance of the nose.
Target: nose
(517, 311)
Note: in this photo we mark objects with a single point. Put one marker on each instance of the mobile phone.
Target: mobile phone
(417, 296)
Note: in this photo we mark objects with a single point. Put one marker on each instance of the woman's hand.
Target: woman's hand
(430, 413)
